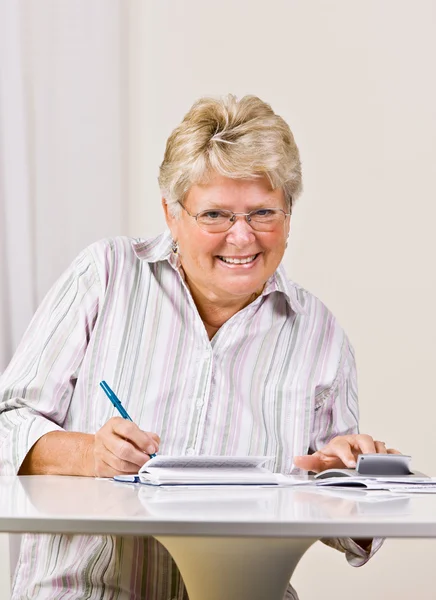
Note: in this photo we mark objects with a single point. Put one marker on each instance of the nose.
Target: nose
(241, 233)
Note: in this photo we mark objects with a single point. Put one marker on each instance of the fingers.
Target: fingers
(308, 463)
(128, 431)
(369, 446)
(345, 448)
(317, 462)
(357, 444)
(109, 465)
(336, 455)
(123, 455)
(121, 447)
(380, 448)
(363, 443)
(342, 451)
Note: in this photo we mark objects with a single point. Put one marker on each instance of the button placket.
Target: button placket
(199, 396)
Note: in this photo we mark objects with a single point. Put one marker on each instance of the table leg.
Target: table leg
(227, 568)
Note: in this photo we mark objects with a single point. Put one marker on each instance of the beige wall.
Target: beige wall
(355, 80)
(5, 564)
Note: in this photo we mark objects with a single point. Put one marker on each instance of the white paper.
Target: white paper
(205, 462)
(212, 470)
(399, 484)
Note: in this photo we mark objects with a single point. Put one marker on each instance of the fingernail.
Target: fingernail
(151, 449)
(351, 464)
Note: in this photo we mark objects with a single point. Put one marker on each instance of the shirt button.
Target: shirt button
(191, 451)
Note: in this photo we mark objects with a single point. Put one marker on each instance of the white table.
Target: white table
(228, 542)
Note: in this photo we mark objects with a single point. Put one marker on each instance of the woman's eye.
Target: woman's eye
(213, 215)
(263, 212)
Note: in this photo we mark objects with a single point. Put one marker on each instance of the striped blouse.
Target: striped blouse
(278, 379)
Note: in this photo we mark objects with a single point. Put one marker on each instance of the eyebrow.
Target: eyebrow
(217, 206)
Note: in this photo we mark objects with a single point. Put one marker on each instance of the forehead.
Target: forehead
(229, 193)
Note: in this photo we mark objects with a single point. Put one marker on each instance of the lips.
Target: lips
(233, 260)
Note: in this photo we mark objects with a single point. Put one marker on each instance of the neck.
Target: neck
(214, 312)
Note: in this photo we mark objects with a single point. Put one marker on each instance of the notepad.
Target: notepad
(207, 470)
(409, 483)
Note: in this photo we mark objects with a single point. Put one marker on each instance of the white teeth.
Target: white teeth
(238, 261)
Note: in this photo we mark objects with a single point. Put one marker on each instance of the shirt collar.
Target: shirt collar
(153, 249)
(279, 282)
(159, 248)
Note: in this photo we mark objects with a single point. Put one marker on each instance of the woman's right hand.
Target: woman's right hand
(120, 448)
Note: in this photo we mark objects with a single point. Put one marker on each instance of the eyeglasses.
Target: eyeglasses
(219, 220)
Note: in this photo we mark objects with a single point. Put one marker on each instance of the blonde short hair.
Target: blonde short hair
(239, 139)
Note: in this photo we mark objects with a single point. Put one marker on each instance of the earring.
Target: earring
(174, 247)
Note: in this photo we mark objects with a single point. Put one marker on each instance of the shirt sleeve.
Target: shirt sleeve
(354, 554)
(336, 410)
(337, 413)
(37, 386)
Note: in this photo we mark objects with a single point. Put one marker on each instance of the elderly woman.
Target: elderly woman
(210, 346)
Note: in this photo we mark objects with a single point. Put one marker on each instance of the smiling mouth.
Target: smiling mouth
(238, 261)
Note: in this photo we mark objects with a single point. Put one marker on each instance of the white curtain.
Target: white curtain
(64, 123)
(17, 292)
(64, 160)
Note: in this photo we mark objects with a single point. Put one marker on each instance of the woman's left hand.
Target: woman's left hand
(341, 452)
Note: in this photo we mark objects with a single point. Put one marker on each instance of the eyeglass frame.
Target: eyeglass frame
(233, 217)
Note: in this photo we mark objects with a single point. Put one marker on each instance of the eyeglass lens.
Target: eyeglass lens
(265, 219)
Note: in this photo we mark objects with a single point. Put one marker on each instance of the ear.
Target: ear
(288, 226)
(170, 219)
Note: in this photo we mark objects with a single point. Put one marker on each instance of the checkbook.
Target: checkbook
(206, 470)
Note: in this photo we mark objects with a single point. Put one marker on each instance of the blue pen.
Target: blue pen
(117, 403)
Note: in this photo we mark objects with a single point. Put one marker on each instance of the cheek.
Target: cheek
(275, 244)
(275, 252)
(199, 251)
(204, 249)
